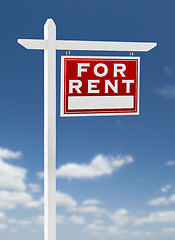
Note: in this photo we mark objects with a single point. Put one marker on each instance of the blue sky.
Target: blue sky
(134, 200)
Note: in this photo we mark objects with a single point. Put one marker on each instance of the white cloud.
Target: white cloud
(159, 201)
(95, 227)
(61, 219)
(35, 188)
(162, 201)
(90, 210)
(39, 220)
(73, 219)
(2, 215)
(148, 234)
(3, 227)
(14, 230)
(114, 230)
(120, 217)
(10, 200)
(136, 233)
(140, 234)
(62, 199)
(167, 91)
(168, 230)
(99, 166)
(172, 198)
(168, 70)
(19, 222)
(91, 202)
(170, 163)
(12, 177)
(103, 230)
(65, 200)
(35, 203)
(166, 188)
(156, 217)
(98, 221)
(6, 153)
(76, 219)
(40, 174)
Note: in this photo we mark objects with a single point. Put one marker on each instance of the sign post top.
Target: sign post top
(86, 45)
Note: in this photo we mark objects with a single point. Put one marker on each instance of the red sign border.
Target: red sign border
(99, 112)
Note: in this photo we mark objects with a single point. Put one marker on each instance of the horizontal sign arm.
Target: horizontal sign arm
(33, 43)
(89, 45)
(104, 46)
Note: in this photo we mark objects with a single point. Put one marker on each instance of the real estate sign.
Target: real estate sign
(99, 86)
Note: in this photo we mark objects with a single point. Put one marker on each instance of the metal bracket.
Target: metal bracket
(132, 54)
(67, 52)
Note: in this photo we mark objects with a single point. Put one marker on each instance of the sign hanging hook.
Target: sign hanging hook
(67, 52)
(131, 53)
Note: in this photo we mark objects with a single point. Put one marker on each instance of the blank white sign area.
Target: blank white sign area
(100, 102)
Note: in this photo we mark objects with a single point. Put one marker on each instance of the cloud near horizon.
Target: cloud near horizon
(11, 177)
(99, 166)
(162, 201)
(170, 163)
(9, 154)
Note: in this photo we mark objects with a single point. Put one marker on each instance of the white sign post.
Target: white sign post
(50, 45)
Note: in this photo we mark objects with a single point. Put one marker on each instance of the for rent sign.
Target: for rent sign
(100, 86)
